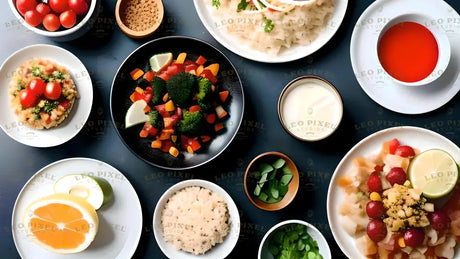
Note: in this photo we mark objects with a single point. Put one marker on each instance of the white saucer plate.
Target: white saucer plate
(77, 116)
(204, 10)
(119, 232)
(419, 138)
(370, 74)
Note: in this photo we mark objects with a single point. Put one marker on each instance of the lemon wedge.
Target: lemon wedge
(159, 61)
(136, 114)
(434, 172)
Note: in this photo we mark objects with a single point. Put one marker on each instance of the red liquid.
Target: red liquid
(408, 52)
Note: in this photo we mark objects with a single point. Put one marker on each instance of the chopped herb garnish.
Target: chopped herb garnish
(58, 75)
(50, 106)
(36, 113)
(36, 71)
(242, 5)
(216, 3)
(268, 25)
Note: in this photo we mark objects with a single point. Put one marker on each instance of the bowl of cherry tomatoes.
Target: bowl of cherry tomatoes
(61, 20)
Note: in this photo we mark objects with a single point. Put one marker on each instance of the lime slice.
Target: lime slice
(96, 191)
(160, 61)
(434, 172)
(136, 114)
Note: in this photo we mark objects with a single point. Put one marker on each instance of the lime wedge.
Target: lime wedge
(96, 191)
(160, 61)
(434, 172)
(136, 114)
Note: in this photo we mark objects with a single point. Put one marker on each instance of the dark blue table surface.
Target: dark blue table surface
(103, 50)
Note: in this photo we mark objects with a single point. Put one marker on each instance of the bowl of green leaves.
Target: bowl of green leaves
(294, 239)
(271, 181)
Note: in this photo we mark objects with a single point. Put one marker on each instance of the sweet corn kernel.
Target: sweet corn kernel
(401, 242)
(375, 196)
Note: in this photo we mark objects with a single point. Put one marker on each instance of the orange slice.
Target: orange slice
(61, 223)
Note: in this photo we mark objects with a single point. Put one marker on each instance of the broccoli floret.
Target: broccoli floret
(181, 88)
(155, 119)
(192, 124)
(159, 90)
(204, 94)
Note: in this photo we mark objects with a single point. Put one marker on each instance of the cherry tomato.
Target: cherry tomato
(396, 175)
(27, 98)
(393, 144)
(414, 237)
(68, 18)
(51, 22)
(59, 6)
(25, 5)
(374, 183)
(33, 18)
(53, 90)
(375, 209)
(405, 151)
(439, 220)
(43, 9)
(37, 86)
(376, 230)
(78, 6)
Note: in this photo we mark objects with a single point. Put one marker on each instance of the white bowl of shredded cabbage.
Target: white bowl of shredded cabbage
(196, 219)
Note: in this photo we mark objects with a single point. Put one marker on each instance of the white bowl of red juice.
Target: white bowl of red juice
(412, 51)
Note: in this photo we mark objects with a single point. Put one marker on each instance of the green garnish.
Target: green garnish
(216, 3)
(36, 71)
(272, 180)
(50, 106)
(36, 113)
(58, 75)
(269, 25)
(242, 5)
(293, 241)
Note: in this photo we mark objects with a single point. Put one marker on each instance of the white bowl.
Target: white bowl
(221, 250)
(439, 34)
(324, 249)
(79, 29)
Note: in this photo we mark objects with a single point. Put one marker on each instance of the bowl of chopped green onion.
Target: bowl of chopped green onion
(294, 239)
(271, 181)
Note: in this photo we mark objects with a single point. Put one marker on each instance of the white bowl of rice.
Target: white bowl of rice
(196, 219)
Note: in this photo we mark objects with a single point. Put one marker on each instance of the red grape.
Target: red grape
(374, 183)
(376, 230)
(404, 151)
(375, 209)
(396, 175)
(439, 220)
(414, 237)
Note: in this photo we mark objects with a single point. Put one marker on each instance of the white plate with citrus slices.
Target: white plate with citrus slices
(114, 233)
(418, 138)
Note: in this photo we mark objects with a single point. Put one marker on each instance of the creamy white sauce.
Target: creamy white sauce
(310, 109)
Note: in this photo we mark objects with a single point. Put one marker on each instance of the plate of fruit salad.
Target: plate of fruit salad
(177, 102)
(395, 195)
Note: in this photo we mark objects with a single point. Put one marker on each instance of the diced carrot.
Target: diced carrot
(165, 97)
(205, 139)
(194, 108)
(213, 88)
(149, 76)
(181, 58)
(223, 96)
(174, 138)
(190, 149)
(143, 133)
(139, 90)
(218, 126)
(169, 106)
(132, 97)
(147, 108)
(164, 135)
(195, 145)
(136, 73)
(214, 68)
(173, 151)
(211, 118)
(199, 70)
(201, 60)
(220, 112)
(156, 143)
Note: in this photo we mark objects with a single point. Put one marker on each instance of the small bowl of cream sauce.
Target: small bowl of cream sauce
(310, 108)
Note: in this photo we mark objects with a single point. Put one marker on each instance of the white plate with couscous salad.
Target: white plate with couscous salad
(46, 94)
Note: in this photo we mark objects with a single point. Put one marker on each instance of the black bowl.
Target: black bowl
(123, 86)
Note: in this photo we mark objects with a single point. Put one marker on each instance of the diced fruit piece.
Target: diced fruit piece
(181, 58)
(220, 112)
(169, 106)
(405, 151)
(201, 60)
(223, 96)
(214, 68)
(218, 127)
(439, 220)
(396, 175)
(173, 151)
(434, 171)
(376, 230)
(136, 73)
(211, 118)
(374, 183)
(135, 114)
(414, 237)
(160, 61)
(156, 143)
(96, 190)
(375, 209)
(149, 75)
(393, 145)
(206, 73)
(61, 223)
